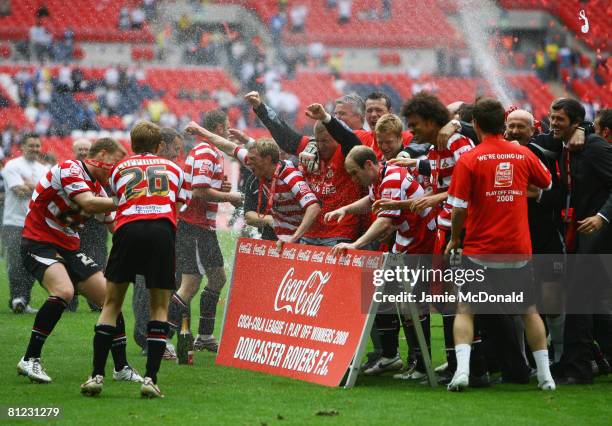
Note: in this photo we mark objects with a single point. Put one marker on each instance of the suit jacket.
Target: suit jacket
(545, 213)
(591, 190)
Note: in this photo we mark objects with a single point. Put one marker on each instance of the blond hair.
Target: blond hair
(389, 123)
(145, 136)
(267, 146)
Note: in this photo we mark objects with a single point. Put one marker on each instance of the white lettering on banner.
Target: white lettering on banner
(330, 259)
(259, 250)
(273, 251)
(358, 261)
(245, 248)
(318, 257)
(296, 358)
(345, 260)
(259, 351)
(298, 297)
(289, 254)
(372, 262)
(304, 255)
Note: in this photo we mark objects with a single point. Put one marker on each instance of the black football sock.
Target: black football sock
(119, 345)
(46, 318)
(157, 332)
(103, 339)
(449, 342)
(208, 311)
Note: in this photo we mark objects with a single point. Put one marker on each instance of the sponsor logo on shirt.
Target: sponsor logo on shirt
(503, 175)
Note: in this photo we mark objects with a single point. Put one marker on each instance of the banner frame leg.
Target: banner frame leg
(229, 291)
(355, 364)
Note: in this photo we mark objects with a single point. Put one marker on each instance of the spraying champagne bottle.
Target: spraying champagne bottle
(184, 347)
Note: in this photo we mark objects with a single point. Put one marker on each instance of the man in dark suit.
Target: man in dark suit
(586, 177)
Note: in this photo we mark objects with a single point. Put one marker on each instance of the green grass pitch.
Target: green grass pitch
(206, 394)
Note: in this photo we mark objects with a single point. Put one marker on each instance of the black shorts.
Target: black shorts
(197, 249)
(37, 256)
(502, 291)
(143, 247)
(548, 268)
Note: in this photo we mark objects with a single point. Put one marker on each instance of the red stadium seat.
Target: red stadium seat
(78, 53)
(91, 20)
(322, 26)
(5, 50)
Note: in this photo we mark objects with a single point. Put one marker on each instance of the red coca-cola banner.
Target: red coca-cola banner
(299, 313)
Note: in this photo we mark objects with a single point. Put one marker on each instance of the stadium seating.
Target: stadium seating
(590, 91)
(91, 20)
(598, 12)
(414, 23)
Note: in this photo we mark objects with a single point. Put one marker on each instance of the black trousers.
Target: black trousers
(589, 318)
(589, 304)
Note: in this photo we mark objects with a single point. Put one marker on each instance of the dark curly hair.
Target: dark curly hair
(426, 106)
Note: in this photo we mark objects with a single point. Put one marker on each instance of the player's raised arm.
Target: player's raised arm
(220, 142)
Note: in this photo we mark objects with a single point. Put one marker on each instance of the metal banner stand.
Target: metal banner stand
(229, 292)
(355, 365)
(391, 262)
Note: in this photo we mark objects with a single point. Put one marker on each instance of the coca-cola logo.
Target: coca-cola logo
(329, 259)
(318, 257)
(259, 250)
(358, 261)
(273, 251)
(289, 254)
(301, 297)
(372, 262)
(345, 260)
(304, 255)
(245, 248)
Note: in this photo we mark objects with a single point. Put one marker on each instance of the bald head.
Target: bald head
(520, 126)
(80, 148)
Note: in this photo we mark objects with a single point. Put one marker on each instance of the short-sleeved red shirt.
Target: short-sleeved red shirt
(491, 182)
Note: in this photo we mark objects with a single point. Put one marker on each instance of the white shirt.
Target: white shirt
(15, 173)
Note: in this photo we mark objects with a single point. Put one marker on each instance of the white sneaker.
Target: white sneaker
(33, 369)
(460, 381)
(30, 310)
(547, 385)
(93, 386)
(127, 374)
(169, 352)
(150, 389)
(410, 375)
(385, 364)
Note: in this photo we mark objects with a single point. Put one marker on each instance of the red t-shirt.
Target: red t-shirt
(334, 188)
(147, 187)
(203, 169)
(415, 232)
(491, 182)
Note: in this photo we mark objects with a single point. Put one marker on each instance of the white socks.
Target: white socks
(541, 359)
(462, 351)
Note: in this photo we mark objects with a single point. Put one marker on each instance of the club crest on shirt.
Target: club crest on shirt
(503, 175)
(74, 171)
